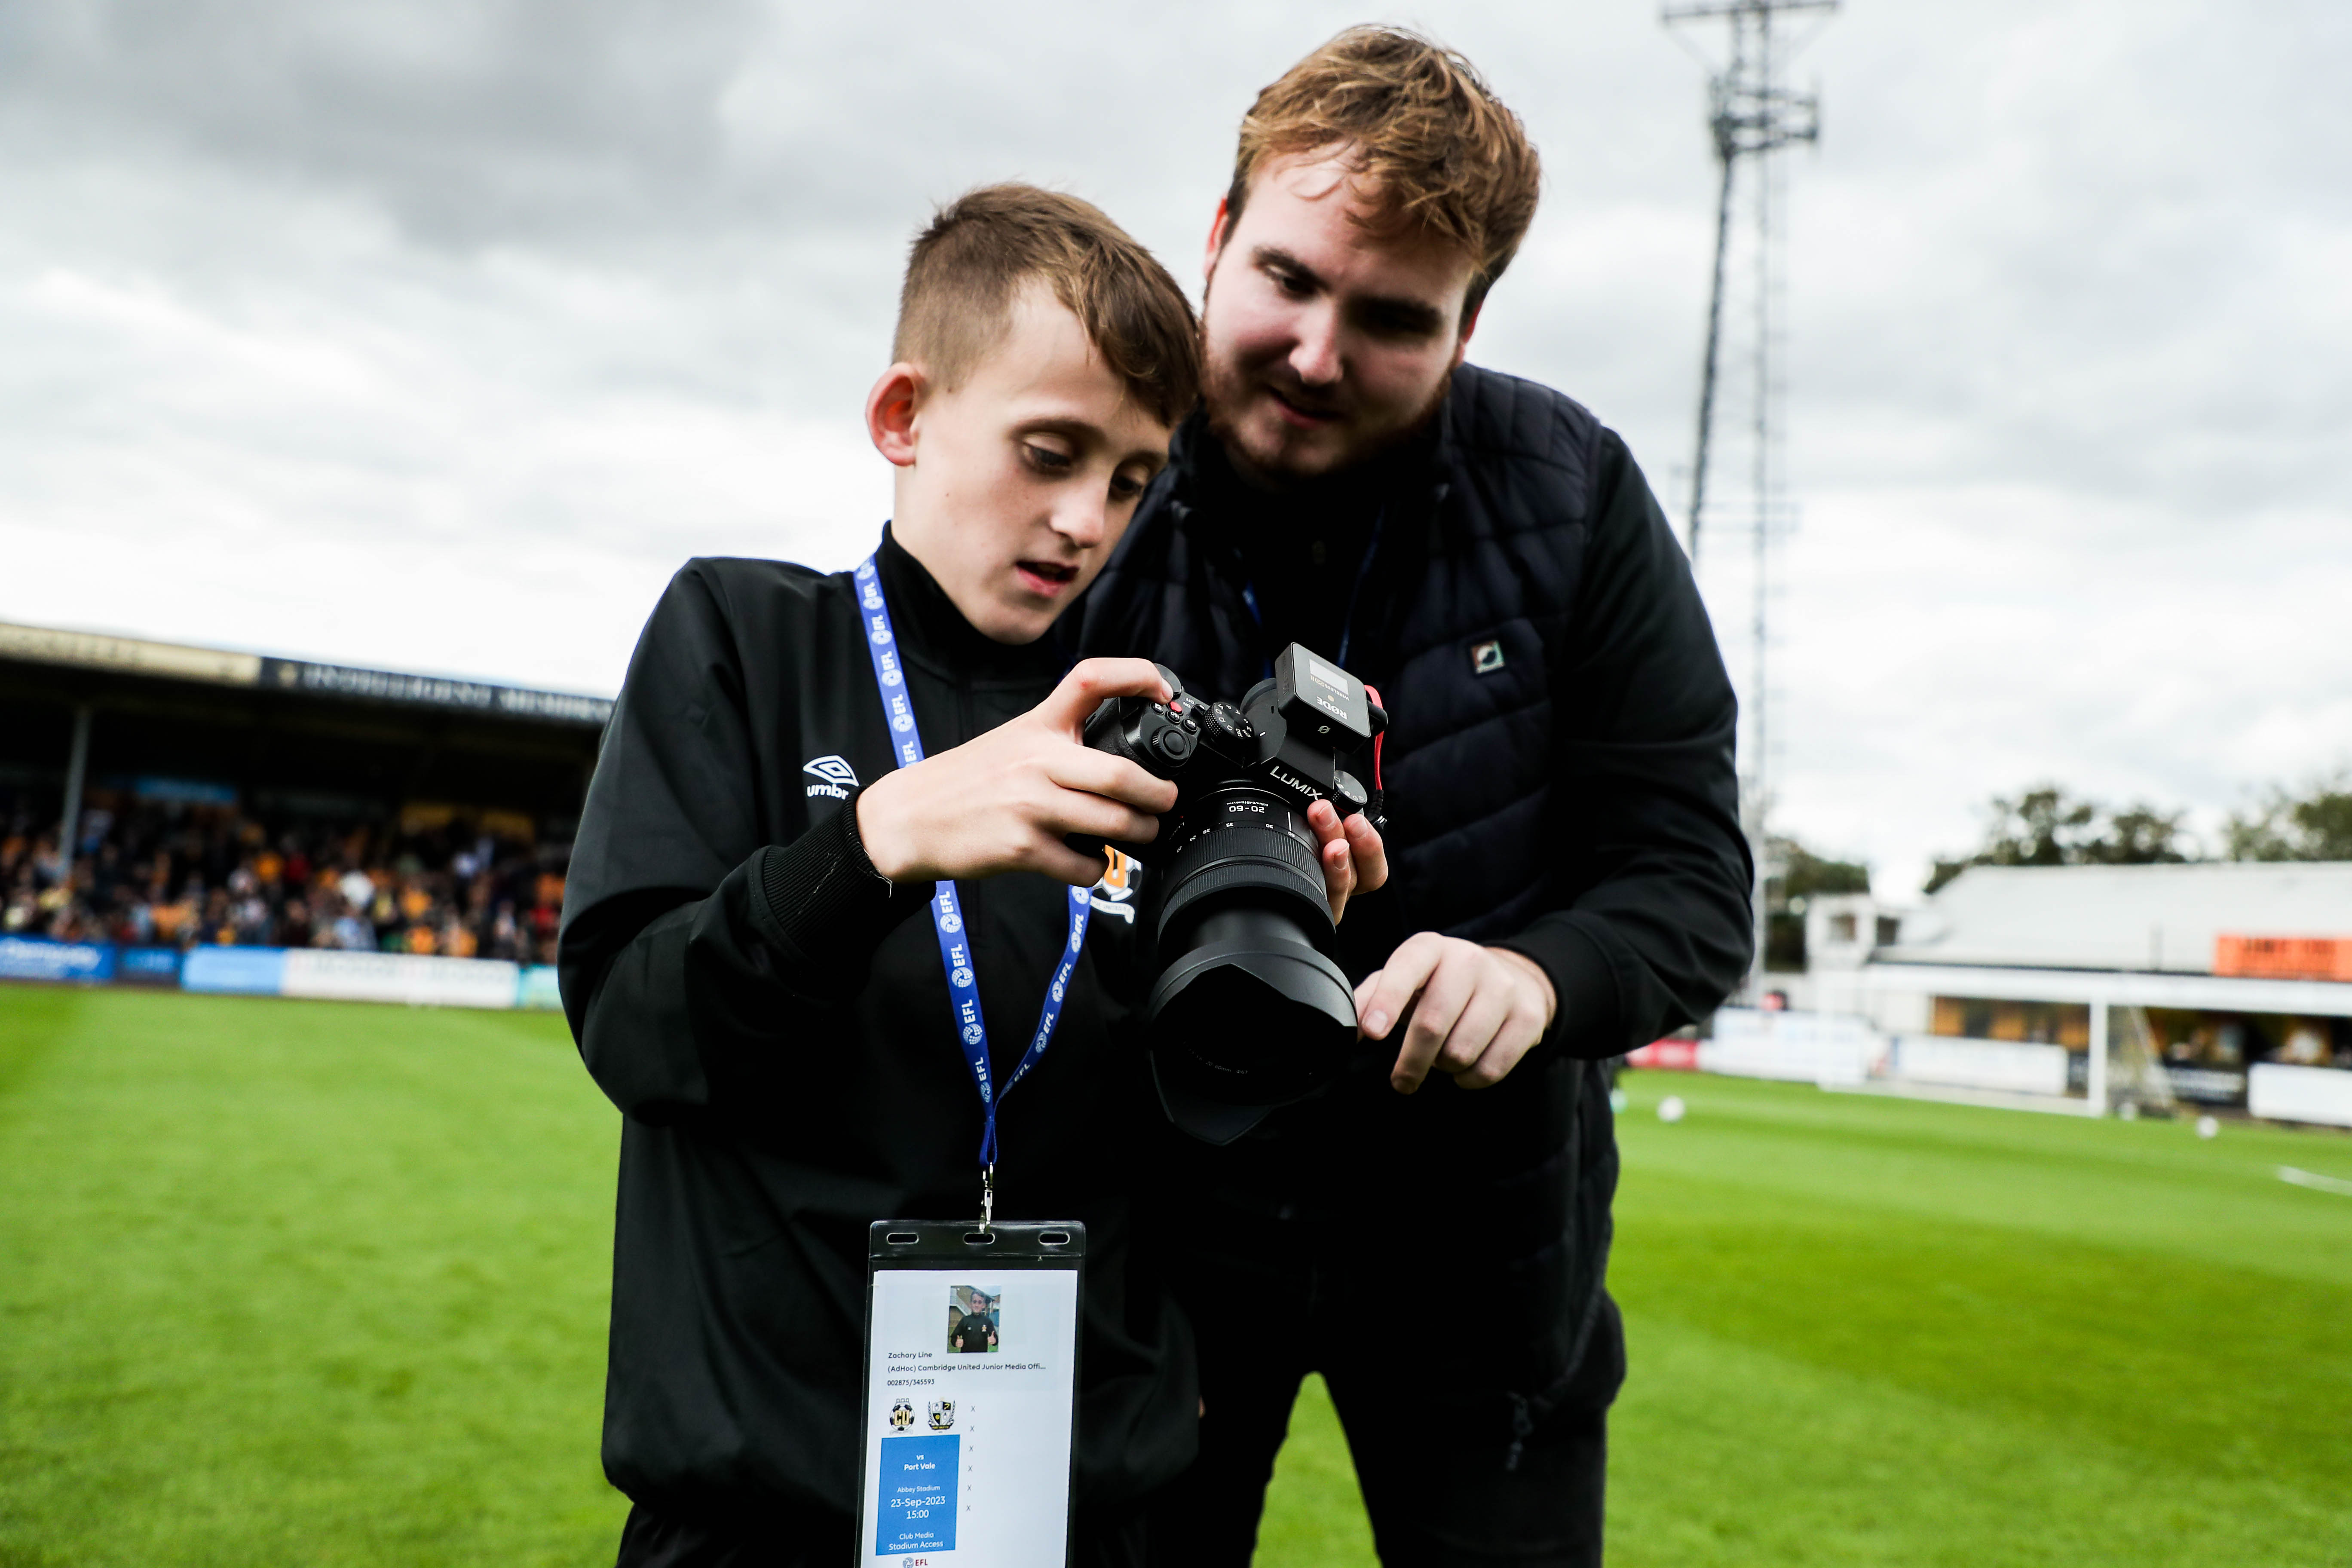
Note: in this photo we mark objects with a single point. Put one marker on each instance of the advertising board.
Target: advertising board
(38, 958)
(535, 989)
(330, 975)
(1802, 1047)
(148, 966)
(233, 971)
(2278, 1092)
(2014, 1066)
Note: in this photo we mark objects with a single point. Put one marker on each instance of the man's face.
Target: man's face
(1325, 338)
(1014, 486)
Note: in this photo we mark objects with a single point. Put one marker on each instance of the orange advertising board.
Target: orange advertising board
(2283, 957)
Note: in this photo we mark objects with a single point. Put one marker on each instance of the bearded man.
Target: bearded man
(1568, 875)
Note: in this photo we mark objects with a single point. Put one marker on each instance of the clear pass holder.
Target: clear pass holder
(971, 1392)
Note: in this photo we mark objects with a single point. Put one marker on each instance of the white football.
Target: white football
(1671, 1107)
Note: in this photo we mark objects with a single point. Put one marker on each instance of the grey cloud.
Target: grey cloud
(514, 304)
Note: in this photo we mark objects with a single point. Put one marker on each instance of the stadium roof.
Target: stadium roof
(218, 667)
(200, 724)
(2149, 919)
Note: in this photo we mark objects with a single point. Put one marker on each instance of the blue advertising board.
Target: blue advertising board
(38, 958)
(234, 971)
(536, 990)
(148, 966)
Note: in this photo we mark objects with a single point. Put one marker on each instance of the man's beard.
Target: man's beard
(1224, 388)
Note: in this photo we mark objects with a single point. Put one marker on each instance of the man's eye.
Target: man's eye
(1293, 284)
(1388, 324)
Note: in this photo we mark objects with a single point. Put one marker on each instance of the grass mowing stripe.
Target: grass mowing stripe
(2149, 1184)
(2136, 1300)
(1725, 1455)
(2136, 1350)
(32, 1019)
(309, 1282)
(323, 1283)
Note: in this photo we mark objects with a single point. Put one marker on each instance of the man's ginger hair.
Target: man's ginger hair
(1425, 140)
(969, 266)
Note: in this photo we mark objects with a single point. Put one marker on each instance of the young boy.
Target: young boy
(739, 964)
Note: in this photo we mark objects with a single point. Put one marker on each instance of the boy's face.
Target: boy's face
(1325, 338)
(1014, 486)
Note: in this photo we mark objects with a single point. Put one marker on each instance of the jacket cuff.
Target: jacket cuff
(820, 898)
(1588, 1018)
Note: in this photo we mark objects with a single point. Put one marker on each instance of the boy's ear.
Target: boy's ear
(890, 410)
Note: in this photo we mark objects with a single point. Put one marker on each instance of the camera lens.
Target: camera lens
(1249, 1011)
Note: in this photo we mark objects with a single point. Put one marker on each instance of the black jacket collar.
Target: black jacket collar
(932, 631)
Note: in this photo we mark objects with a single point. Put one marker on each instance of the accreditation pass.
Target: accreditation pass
(971, 1391)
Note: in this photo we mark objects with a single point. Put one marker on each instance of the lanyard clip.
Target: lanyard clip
(987, 1196)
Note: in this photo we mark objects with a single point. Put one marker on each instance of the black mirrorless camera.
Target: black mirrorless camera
(1249, 1009)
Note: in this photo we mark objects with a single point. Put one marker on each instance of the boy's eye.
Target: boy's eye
(1125, 487)
(1045, 459)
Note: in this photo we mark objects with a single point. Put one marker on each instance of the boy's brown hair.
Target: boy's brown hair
(969, 265)
(1428, 141)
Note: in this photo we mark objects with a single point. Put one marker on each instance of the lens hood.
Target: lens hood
(1250, 1017)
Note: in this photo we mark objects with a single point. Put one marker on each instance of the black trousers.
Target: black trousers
(1450, 1481)
(653, 1539)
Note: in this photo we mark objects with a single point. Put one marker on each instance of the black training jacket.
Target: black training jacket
(1560, 781)
(772, 1021)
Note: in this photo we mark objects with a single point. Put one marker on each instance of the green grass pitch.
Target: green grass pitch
(294, 1283)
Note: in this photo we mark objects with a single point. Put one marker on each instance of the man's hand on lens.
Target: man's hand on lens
(1004, 800)
(1475, 1011)
(1354, 859)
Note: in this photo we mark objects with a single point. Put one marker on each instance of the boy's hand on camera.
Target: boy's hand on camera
(1004, 800)
(1354, 859)
(1475, 1011)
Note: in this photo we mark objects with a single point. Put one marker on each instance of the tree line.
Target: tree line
(2050, 826)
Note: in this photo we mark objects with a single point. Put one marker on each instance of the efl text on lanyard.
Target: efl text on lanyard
(947, 909)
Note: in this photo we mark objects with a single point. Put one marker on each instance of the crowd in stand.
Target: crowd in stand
(178, 874)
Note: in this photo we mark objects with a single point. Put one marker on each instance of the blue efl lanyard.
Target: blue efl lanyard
(1356, 592)
(947, 909)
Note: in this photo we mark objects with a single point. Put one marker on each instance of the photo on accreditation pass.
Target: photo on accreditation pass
(975, 1317)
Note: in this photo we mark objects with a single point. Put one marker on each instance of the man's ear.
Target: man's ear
(1217, 237)
(890, 410)
(1469, 325)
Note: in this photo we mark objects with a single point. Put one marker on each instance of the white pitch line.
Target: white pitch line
(2317, 1182)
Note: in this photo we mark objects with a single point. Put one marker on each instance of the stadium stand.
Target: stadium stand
(220, 799)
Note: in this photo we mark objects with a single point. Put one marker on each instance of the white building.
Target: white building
(2236, 977)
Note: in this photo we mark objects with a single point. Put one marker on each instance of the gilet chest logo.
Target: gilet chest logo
(832, 777)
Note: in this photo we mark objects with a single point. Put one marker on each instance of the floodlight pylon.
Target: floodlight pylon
(1751, 115)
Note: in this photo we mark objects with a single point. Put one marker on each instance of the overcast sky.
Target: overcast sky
(436, 337)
